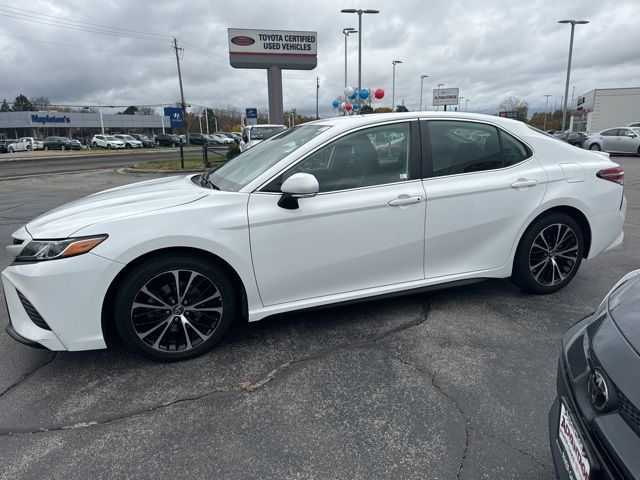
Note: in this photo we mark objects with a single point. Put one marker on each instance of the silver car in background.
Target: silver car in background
(615, 140)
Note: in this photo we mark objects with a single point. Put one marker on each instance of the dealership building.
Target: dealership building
(78, 124)
(605, 108)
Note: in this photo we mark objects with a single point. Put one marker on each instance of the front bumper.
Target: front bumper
(67, 293)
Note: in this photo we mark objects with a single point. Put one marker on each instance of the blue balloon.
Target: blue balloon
(353, 97)
(335, 104)
(356, 106)
(364, 93)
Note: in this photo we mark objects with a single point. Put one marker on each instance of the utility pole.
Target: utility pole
(182, 104)
(317, 93)
(206, 116)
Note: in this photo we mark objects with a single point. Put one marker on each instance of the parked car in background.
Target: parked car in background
(61, 143)
(615, 140)
(572, 138)
(219, 139)
(145, 140)
(129, 141)
(106, 141)
(254, 134)
(5, 143)
(26, 144)
(231, 136)
(635, 124)
(594, 422)
(175, 261)
(198, 139)
(167, 140)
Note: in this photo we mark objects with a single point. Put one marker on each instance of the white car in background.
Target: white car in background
(106, 141)
(330, 211)
(129, 141)
(25, 144)
(254, 134)
(219, 139)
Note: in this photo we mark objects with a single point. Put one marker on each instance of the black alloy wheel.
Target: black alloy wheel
(595, 147)
(175, 307)
(549, 254)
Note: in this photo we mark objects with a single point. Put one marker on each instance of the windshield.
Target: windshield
(65, 139)
(110, 138)
(262, 133)
(244, 168)
(128, 137)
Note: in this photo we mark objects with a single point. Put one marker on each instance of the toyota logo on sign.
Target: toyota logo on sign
(243, 41)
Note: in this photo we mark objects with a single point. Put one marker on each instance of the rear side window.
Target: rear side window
(513, 150)
(463, 147)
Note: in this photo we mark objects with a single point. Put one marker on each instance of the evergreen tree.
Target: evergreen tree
(22, 104)
(5, 106)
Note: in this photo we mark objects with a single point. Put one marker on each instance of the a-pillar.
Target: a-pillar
(274, 84)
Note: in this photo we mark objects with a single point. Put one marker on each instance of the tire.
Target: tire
(28, 148)
(157, 144)
(46, 149)
(543, 264)
(126, 145)
(94, 145)
(63, 148)
(172, 336)
(11, 150)
(594, 146)
(108, 146)
(174, 145)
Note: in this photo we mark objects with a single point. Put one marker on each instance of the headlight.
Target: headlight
(40, 250)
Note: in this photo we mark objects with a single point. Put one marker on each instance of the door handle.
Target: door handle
(404, 200)
(523, 183)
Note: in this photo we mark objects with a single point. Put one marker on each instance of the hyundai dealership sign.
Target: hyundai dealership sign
(250, 48)
(176, 119)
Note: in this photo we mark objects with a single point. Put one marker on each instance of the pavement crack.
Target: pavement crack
(517, 449)
(467, 420)
(245, 387)
(28, 374)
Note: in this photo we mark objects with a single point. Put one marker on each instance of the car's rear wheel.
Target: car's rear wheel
(174, 145)
(174, 307)
(108, 146)
(11, 150)
(126, 145)
(595, 147)
(94, 144)
(549, 254)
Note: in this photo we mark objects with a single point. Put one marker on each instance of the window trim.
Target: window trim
(415, 154)
(427, 159)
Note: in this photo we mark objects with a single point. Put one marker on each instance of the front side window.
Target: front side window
(369, 157)
(610, 133)
(463, 147)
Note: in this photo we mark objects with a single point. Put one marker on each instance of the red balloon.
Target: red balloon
(379, 93)
(348, 107)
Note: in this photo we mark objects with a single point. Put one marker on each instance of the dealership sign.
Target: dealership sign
(176, 118)
(251, 115)
(511, 114)
(445, 96)
(250, 48)
(49, 119)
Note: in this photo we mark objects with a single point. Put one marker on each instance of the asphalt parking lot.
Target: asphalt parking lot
(450, 384)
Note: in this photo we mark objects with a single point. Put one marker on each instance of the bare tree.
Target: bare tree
(40, 103)
(145, 110)
(515, 104)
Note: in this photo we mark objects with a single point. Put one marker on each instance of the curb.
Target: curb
(156, 172)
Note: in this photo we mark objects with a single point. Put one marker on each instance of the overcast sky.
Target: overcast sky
(488, 49)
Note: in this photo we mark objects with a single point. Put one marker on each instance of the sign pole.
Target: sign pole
(183, 105)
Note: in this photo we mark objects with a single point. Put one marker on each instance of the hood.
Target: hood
(624, 308)
(115, 203)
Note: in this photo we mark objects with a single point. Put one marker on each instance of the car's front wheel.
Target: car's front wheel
(174, 307)
(63, 148)
(11, 150)
(595, 147)
(549, 254)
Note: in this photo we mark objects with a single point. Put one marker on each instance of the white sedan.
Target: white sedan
(129, 141)
(106, 141)
(330, 211)
(25, 144)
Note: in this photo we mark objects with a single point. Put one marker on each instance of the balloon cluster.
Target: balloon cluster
(354, 99)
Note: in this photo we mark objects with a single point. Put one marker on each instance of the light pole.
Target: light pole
(359, 11)
(460, 102)
(566, 88)
(393, 87)
(466, 104)
(422, 77)
(346, 32)
(546, 104)
(439, 85)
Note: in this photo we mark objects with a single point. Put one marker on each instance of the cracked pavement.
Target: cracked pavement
(449, 384)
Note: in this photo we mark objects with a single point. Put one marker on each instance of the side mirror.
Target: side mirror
(298, 185)
(631, 135)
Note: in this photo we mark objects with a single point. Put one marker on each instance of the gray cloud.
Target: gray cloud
(488, 50)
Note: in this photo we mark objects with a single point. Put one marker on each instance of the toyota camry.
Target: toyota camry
(330, 211)
(594, 423)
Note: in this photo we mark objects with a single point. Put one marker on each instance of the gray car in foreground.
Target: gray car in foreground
(615, 140)
(594, 423)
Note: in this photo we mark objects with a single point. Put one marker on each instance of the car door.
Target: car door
(481, 183)
(628, 141)
(364, 229)
(610, 140)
